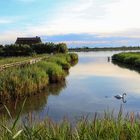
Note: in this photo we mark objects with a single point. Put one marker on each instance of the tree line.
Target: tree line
(87, 49)
(25, 50)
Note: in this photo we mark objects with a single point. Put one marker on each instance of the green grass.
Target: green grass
(61, 61)
(130, 58)
(107, 127)
(31, 79)
(55, 71)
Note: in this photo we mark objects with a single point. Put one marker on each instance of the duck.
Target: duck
(120, 96)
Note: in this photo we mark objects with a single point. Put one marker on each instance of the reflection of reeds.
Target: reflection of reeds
(28, 80)
(107, 127)
(34, 103)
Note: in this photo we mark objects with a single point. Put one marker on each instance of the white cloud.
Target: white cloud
(131, 33)
(83, 42)
(5, 21)
(94, 17)
(101, 17)
(10, 36)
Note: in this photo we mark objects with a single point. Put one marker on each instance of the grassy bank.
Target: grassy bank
(106, 127)
(9, 60)
(130, 58)
(31, 79)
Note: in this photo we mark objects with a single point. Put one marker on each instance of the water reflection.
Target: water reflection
(89, 88)
(121, 97)
(126, 66)
(108, 59)
(34, 103)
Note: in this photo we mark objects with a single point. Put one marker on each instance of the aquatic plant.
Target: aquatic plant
(30, 79)
(130, 58)
(54, 71)
(105, 127)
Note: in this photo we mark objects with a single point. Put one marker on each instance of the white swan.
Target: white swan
(120, 96)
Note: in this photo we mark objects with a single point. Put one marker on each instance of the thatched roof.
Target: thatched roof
(28, 40)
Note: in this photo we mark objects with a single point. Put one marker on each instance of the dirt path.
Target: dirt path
(22, 63)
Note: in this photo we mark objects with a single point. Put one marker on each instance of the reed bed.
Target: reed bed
(107, 127)
(31, 79)
(130, 58)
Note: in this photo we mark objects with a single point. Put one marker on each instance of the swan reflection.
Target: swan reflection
(121, 97)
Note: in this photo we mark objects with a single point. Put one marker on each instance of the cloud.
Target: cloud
(93, 17)
(83, 42)
(117, 18)
(131, 33)
(5, 21)
(10, 36)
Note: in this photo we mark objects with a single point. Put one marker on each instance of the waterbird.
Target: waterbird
(120, 96)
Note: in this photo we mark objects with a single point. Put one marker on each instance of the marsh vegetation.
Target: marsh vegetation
(129, 58)
(104, 80)
(30, 79)
(105, 127)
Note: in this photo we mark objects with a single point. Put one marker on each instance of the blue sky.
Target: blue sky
(91, 23)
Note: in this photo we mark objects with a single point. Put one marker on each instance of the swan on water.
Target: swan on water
(120, 96)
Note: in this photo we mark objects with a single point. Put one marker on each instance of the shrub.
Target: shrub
(61, 48)
(61, 61)
(17, 50)
(54, 71)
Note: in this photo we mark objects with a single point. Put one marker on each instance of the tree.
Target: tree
(61, 48)
(17, 50)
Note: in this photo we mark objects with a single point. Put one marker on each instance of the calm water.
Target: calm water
(89, 88)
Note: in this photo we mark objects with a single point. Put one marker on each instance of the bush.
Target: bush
(61, 48)
(73, 56)
(17, 50)
(54, 71)
(26, 50)
(60, 61)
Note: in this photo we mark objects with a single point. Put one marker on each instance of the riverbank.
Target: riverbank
(130, 58)
(106, 127)
(10, 60)
(87, 49)
(19, 82)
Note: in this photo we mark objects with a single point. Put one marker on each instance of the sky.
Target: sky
(93, 23)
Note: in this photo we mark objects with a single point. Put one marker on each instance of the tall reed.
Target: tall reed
(30, 79)
(130, 58)
(107, 127)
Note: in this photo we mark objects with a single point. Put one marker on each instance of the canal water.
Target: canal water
(90, 87)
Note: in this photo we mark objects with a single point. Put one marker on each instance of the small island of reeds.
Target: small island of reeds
(131, 59)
